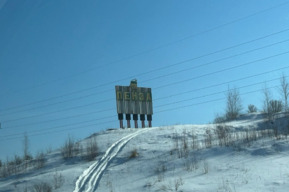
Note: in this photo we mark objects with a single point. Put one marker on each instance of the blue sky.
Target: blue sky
(60, 61)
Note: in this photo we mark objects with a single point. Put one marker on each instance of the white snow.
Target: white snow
(260, 165)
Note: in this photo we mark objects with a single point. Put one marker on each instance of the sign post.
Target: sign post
(136, 101)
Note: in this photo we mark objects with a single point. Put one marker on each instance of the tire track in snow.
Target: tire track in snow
(91, 176)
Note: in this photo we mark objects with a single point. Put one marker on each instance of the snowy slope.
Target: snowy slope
(172, 158)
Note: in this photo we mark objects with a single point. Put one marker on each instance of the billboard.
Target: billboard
(134, 100)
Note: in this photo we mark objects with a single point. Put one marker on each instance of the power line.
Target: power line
(215, 61)
(55, 132)
(205, 102)
(215, 93)
(222, 70)
(12, 136)
(178, 63)
(178, 82)
(224, 83)
(63, 118)
(181, 93)
(164, 45)
(176, 102)
(67, 125)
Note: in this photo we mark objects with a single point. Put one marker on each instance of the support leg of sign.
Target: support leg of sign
(121, 124)
(120, 118)
(135, 118)
(127, 116)
(149, 118)
(150, 123)
(142, 118)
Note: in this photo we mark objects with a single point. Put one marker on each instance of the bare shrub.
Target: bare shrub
(191, 164)
(252, 108)
(40, 160)
(195, 143)
(181, 144)
(286, 130)
(234, 106)
(160, 170)
(271, 107)
(223, 134)
(172, 186)
(276, 132)
(133, 154)
(69, 148)
(91, 149)
(219, 119)
(284, 91)
(177, 147)
(185, 145)
(205, 167)
(177, 183)
(42, 187)
(208, 138)
(58, 180)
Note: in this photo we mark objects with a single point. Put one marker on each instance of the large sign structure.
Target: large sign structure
(134, 100)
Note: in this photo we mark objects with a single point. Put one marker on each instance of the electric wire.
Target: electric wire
(158, 106)
(166, 45)
(205, 102)
(183, 70)
(151, 71)
(170, 84)
(38, 132)
(222, 70)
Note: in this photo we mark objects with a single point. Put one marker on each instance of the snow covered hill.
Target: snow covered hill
(239, 156)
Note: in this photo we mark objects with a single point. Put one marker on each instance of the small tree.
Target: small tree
(26, 148)
(91, 149)
(234, 106)
(284, 90)
(68, 150)
(252, 108)
(275, 106)
(266, 103)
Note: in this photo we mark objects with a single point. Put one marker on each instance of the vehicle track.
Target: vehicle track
(90, 178)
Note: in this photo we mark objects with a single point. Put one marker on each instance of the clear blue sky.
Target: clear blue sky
(60, 61)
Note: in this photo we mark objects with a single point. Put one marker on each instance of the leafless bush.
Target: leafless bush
(195, 143)
(286, 129)
(160, 170)
(276, 132)
(223, 134)
(42, 187)
(40, 160)
(252, 108)
(133, 154)
(91, 149)
(272, 108)
(219, 119)
(234, 106)
(181, 144)
(208, 138)
(69, 148)
(284, 90)
(205, 167)
(172, 186)
(58, 180)
(191, 163)
(185, 144)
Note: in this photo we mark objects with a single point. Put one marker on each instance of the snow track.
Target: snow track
(90, 178)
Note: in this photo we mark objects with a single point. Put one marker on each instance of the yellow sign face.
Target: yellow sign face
(133, 96)
(134, 100)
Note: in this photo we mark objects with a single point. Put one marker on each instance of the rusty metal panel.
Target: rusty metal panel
(134, 100)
